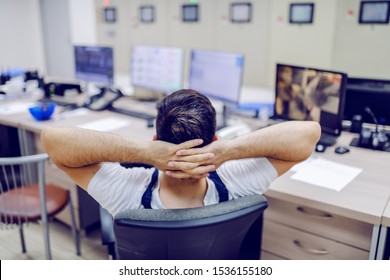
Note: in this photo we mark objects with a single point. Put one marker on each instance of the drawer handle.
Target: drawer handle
(323, 215)
(309, 250)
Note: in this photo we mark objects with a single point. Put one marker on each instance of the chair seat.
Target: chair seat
(14, 205)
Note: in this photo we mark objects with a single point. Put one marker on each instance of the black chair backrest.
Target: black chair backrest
(228, 230)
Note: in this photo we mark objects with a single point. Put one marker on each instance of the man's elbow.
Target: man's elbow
(313, 134)
(44, 139)
(47, 141)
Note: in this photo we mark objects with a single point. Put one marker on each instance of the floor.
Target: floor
(61, 241)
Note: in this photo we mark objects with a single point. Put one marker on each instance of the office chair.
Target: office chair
(228, 230)
(107, 232)
(22, 189)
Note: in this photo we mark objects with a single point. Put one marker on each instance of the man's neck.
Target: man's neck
(182, 193)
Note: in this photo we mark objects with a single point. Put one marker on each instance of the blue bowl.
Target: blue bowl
(42, 111)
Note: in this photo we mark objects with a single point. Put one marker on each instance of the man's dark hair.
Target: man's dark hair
(185, 115)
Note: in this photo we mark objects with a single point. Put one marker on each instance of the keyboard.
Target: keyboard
(136, 114)
(327, 139)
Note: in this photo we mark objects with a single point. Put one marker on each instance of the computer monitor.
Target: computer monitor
(372, 93)
(94, 64)
(303, 93)
(217, 74)
(157, 68)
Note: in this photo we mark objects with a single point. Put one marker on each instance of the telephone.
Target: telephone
(103, 100)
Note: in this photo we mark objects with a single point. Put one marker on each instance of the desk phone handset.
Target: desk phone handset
(103, 100)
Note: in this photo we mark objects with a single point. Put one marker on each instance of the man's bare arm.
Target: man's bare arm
(284, 144)
(80, 152)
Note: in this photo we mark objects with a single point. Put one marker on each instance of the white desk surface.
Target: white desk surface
(363, 199)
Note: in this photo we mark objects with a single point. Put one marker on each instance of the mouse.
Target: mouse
(320, 148)
(341, 150)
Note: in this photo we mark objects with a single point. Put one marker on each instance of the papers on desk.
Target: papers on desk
(15, 108)
(108, 124)
(325, 173)
(76, 112)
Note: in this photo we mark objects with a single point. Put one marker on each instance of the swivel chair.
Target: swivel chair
(25, 197)
(228, 230)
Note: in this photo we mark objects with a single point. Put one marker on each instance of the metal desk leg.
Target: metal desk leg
(374, 241)
(27, 147)
(381, 251)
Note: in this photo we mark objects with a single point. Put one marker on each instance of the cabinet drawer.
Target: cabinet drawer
(328, 225)
(291, 243)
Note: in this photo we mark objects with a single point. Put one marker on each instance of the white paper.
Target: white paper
(325, 173)
(75, 112)
(15, 108)
(108, 124)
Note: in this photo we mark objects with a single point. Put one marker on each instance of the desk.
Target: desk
(309, 222)
(349, 221)
(384, 237)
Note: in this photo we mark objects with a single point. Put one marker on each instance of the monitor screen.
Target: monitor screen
(372, 93)
(374, 12)
(217, 74)
(301, 13)
(94, 64)
(303, 93)
(157, 68)
(190, 12)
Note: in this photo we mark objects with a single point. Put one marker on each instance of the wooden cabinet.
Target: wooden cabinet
(293, 231)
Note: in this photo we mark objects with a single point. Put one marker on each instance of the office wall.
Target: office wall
(21, 36)
(334, 41)
(360, 50)
(305, 44)
(214, 31)
(82, 22)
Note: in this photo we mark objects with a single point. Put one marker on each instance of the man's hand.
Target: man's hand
(197, 162)
(167, 157)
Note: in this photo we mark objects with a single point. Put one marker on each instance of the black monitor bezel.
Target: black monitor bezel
(365, 4)
(335, 131)
(141, 13)
(291, 11)
(184, 7)
(210, 95)
(107, 12)
(238, 4)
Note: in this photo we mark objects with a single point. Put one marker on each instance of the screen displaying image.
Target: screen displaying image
(157, 68)
(310, 94)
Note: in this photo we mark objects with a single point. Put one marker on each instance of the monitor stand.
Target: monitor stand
(222, 120)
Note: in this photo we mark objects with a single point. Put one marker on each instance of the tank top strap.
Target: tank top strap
(147, 196)
(221, 188)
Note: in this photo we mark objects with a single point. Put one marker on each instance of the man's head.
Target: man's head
(185, 115)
